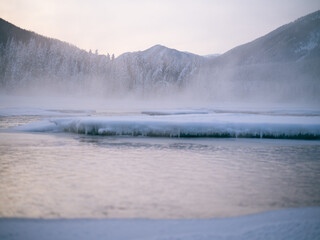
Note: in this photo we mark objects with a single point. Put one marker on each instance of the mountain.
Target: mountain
(295, 41)
(157, 67)
(282, 65)
(9, 31)
(31, 62)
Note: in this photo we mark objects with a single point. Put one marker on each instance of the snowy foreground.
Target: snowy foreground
(303, 223)
(188, 124)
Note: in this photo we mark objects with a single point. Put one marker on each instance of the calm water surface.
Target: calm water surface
(63, 175)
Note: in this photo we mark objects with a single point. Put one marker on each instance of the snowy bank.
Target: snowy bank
(303, 223)
(186, 125)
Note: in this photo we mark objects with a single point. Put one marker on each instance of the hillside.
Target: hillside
(8, 31)
(280, 66)
(157, 67)
(33, 63)
(296, 41)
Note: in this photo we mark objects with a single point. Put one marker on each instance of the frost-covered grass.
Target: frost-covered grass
(293, 224)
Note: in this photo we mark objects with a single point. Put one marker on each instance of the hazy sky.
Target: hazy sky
(118, 26)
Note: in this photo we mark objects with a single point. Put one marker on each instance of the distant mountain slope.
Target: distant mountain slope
(9, 31)
(157, 67)
(29, 61)
(283, 65)
(292, 42)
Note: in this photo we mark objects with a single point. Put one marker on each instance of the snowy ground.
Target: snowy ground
(291, 224)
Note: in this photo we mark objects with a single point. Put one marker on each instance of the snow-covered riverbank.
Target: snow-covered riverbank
(302, 223)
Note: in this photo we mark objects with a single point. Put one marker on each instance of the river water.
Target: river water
(68, 175)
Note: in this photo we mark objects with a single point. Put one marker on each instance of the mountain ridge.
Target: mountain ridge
(277, 62)
(9, 30)
(273, 46)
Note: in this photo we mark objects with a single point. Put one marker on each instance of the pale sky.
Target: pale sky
(118, 26)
